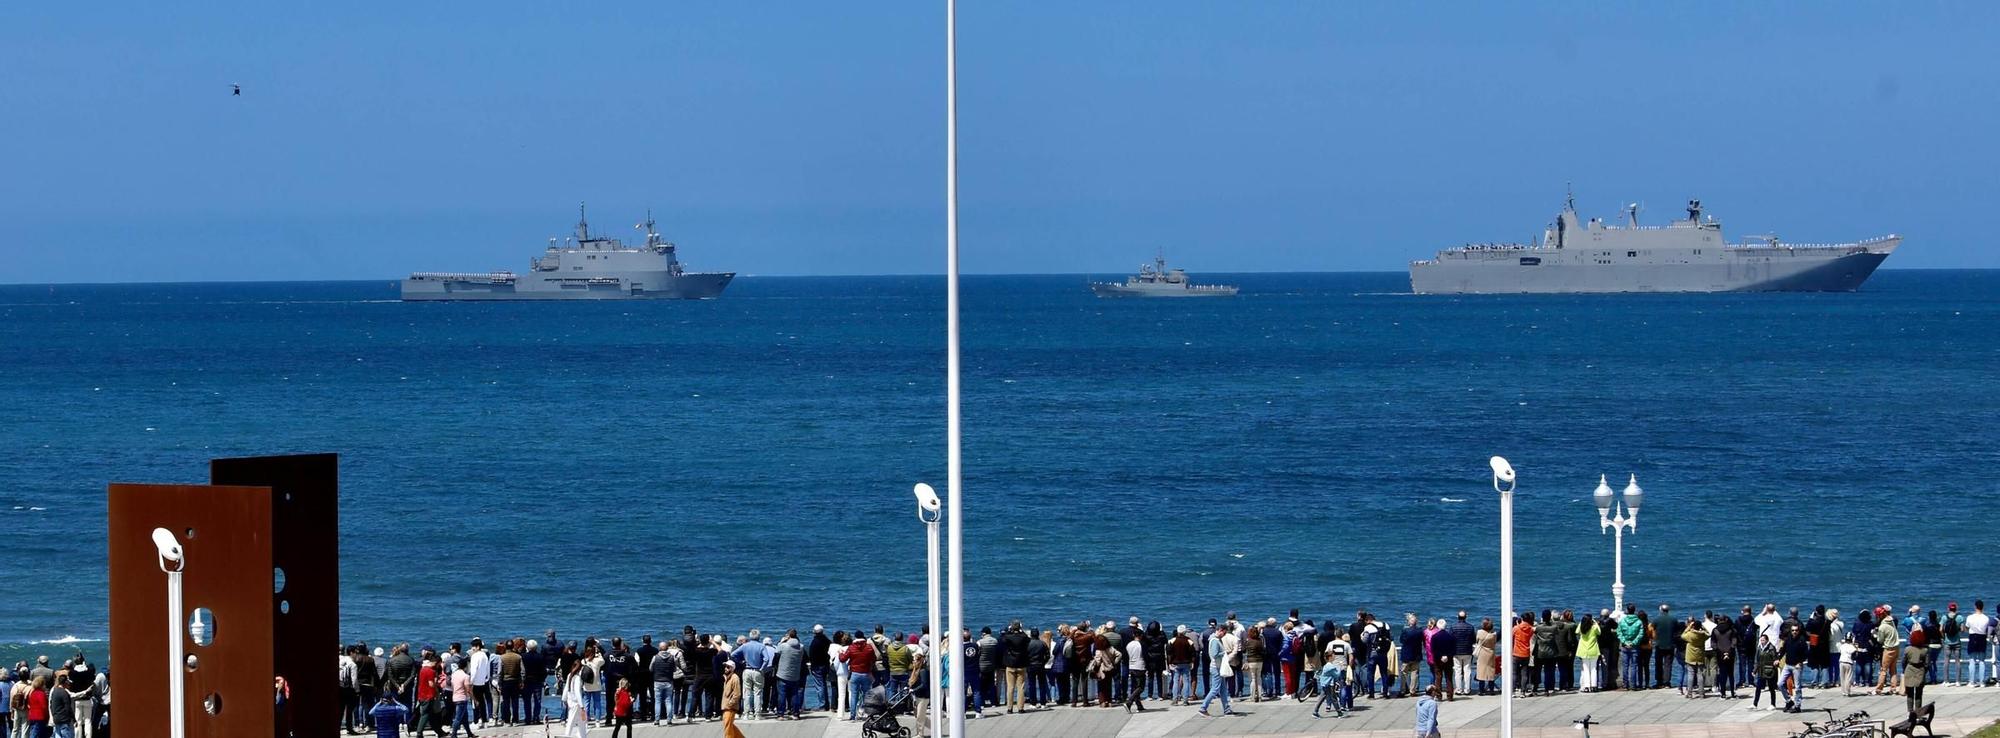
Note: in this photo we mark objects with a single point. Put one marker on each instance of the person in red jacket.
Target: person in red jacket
(621, 709)
(38, 706)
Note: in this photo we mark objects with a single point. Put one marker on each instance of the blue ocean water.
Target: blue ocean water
(1318, 442)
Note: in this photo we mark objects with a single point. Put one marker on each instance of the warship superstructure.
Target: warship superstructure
(1156, 280)
(585, 266)
(1686, 255)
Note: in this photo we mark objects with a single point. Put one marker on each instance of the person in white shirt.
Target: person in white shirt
(479, 666)
(1135, 667)
(1768, 625)
(1978, 642)
(350, 696)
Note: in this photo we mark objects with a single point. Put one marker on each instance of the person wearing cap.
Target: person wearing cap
(1427, 713)
(1180, 664)
(1953, 630)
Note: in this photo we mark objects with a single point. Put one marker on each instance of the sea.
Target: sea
(1319, 442)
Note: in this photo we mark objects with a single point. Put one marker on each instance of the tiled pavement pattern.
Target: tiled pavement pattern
(1649, 714)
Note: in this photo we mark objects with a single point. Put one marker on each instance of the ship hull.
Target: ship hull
(685, 286)
(1119, 290)
(1779, 270)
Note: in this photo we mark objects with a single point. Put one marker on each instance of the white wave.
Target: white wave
(37, 509)
(63, 641)
(1238, 556)
(1451, 499)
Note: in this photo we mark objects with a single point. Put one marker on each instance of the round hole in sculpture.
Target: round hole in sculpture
(201, 626)
(285, 607)
(190, 534)
(193, 663)
(277, 580)
(213, 704)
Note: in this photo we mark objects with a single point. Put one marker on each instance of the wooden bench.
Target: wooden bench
(1909, 726)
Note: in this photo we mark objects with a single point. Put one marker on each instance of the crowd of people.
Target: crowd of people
(70, 699)
(458, 688)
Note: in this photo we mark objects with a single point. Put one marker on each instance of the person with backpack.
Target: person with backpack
(1953, 629)
(592, 673)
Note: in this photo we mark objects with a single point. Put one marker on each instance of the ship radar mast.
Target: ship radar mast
(582, 225)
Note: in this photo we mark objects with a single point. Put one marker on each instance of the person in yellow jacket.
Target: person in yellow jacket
(1696, 638)
(1587, 653)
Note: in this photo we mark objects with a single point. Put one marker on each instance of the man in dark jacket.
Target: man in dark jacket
(1038, 669)
(1546, 652)
(367, 680)
(1155, 639)
(1607, 645)
(1462, 637)
(1412, 656)
(1566, 651)
(1274, 641)
(1014, 659)
(642, 676)
(534, 682)
(1666, 651)
(401, 676)
(817, 664)
(987, 650)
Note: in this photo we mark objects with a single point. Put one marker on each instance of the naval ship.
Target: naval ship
(1156, 280)
(1686, 255)
(586, 266)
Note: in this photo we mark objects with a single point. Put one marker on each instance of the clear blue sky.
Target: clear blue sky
(807, 138)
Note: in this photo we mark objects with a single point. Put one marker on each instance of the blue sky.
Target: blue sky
(807, 138)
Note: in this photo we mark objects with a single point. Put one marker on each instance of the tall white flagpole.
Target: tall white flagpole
(953, 483)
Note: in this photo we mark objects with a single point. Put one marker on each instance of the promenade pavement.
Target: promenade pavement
(1649, 714)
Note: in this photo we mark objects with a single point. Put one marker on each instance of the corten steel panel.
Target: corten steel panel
(305, 545)
(225, 533)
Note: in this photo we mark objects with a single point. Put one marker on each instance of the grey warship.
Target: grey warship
(586, 266)
(1156, 280)
(1687, 255)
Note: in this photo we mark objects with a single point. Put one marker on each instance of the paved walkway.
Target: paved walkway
(1650, 714)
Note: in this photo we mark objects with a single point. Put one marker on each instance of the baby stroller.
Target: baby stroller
(880, 713)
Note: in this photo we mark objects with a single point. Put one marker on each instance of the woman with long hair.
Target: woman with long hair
(1486, 652)
(576, 720)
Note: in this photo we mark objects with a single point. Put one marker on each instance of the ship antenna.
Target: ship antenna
(1569, 196)
(582, 225)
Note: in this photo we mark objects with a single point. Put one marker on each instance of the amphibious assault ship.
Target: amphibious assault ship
(1687, 255)
(1156, 280)
(586, 266)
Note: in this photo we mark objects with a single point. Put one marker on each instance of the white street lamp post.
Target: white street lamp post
(1503, 483)
(927, 511)
(170, 552)
(1627, 517)
(954, 488)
